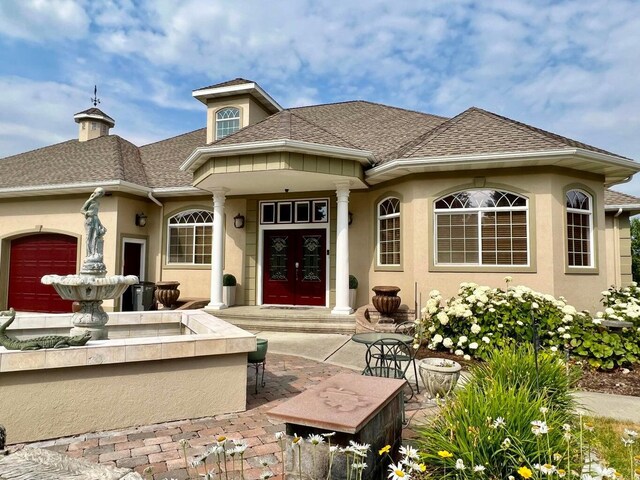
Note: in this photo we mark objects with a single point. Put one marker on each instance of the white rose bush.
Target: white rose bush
(480, 319)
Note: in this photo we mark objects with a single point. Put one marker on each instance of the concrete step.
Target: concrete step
(307, 324)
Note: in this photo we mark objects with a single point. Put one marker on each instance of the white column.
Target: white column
(342, 251)
(216, 302)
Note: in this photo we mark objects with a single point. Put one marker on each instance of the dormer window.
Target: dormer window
(227, 122)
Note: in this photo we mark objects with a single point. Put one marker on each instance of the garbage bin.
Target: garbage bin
(143, 295)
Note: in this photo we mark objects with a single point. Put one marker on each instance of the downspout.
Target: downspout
(160, 230)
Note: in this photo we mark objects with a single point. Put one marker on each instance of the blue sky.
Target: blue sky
(572, 67)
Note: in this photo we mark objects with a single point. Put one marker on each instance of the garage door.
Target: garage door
(32, 257)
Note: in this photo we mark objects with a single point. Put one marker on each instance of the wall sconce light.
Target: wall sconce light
(141, 219)
(238, 221)
(350, 218)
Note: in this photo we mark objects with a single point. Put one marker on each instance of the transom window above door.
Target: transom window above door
(482, 227)
(189, 237)
(295, 211)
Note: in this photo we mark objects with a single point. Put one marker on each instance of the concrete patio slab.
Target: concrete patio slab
(318, 346)
(619, 407)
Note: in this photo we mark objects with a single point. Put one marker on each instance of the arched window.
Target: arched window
(189, 237)
(482, 227)
(579, 229)
(389, 232)
(227, 122)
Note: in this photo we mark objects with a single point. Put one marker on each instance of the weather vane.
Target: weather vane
(95, 98)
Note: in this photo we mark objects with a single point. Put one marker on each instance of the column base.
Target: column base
(341, 310)
(216, 306)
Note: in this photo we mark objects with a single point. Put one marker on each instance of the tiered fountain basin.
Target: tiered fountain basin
(156, 367)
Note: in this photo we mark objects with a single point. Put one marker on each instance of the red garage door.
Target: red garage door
(33, 257)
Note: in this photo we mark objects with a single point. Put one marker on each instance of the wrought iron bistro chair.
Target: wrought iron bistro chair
(410, 328)
(384, 359)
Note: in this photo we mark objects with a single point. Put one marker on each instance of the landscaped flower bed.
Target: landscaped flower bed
(481, 318)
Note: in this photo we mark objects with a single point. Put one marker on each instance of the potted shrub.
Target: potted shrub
(353, 285)
(229, 289)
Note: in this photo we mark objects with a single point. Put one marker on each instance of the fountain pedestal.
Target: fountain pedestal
(89, 291)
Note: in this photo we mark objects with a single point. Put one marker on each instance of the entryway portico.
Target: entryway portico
(295, 199)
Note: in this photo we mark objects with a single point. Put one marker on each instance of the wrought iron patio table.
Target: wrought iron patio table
(371, 337)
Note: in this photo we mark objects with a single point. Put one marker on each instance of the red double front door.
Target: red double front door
(294, 270)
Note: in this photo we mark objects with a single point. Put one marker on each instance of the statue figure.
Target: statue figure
(94, 229)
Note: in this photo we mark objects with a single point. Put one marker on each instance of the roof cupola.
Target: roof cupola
(93, 122)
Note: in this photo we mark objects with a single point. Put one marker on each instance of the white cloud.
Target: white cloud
(43, 20)
(567, 66)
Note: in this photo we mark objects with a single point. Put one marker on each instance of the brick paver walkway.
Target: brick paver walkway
(158, 445)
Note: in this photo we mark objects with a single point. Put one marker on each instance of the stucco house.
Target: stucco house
(293, 200)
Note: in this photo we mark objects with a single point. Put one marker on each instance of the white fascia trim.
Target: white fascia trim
(201, 154)
(172, 191)
(458, 160)
(84, 116)
(117, 185)
(628, 206)
(205, 93)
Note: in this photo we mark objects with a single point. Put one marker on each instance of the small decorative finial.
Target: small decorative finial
(95, 98)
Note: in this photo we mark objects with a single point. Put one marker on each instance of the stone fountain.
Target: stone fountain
(92, 285)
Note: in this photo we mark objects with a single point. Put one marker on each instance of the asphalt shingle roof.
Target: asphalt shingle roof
(611, 197)
(162, 160)
(363, 125)
(95, 111)
(387, 132)
(228, 83)
(477, 131)
(105, 158)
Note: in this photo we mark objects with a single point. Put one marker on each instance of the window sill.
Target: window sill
(581, 271)
(482, 268)
(186, 266)
(388, 268)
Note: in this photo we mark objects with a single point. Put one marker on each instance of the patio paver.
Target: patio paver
(158, 445)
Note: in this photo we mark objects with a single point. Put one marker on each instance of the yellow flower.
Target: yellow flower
(422, 466)
(525, 472)
(384, 449)
(221, 439)
(445, 454)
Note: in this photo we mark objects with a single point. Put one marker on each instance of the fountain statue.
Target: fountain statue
(92, 285)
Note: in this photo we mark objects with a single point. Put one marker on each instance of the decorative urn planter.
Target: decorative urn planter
(386, 301)
(167, 293)
(439, 376)
(261, 351)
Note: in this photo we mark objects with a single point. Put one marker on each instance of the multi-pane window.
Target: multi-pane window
(482, 227)
(189, 237)
(389, 232)
(579, 229)
(227, 122)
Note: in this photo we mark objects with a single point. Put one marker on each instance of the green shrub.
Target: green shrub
(481, 318)
(494, 406)
(516, 368)
(606, 349)
(353, 282)
(228, 280)
(621, 304)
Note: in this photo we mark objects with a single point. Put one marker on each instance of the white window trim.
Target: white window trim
(193, 225)
(477, 211)
(589, 213)
(217, 120)
(385, 217)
